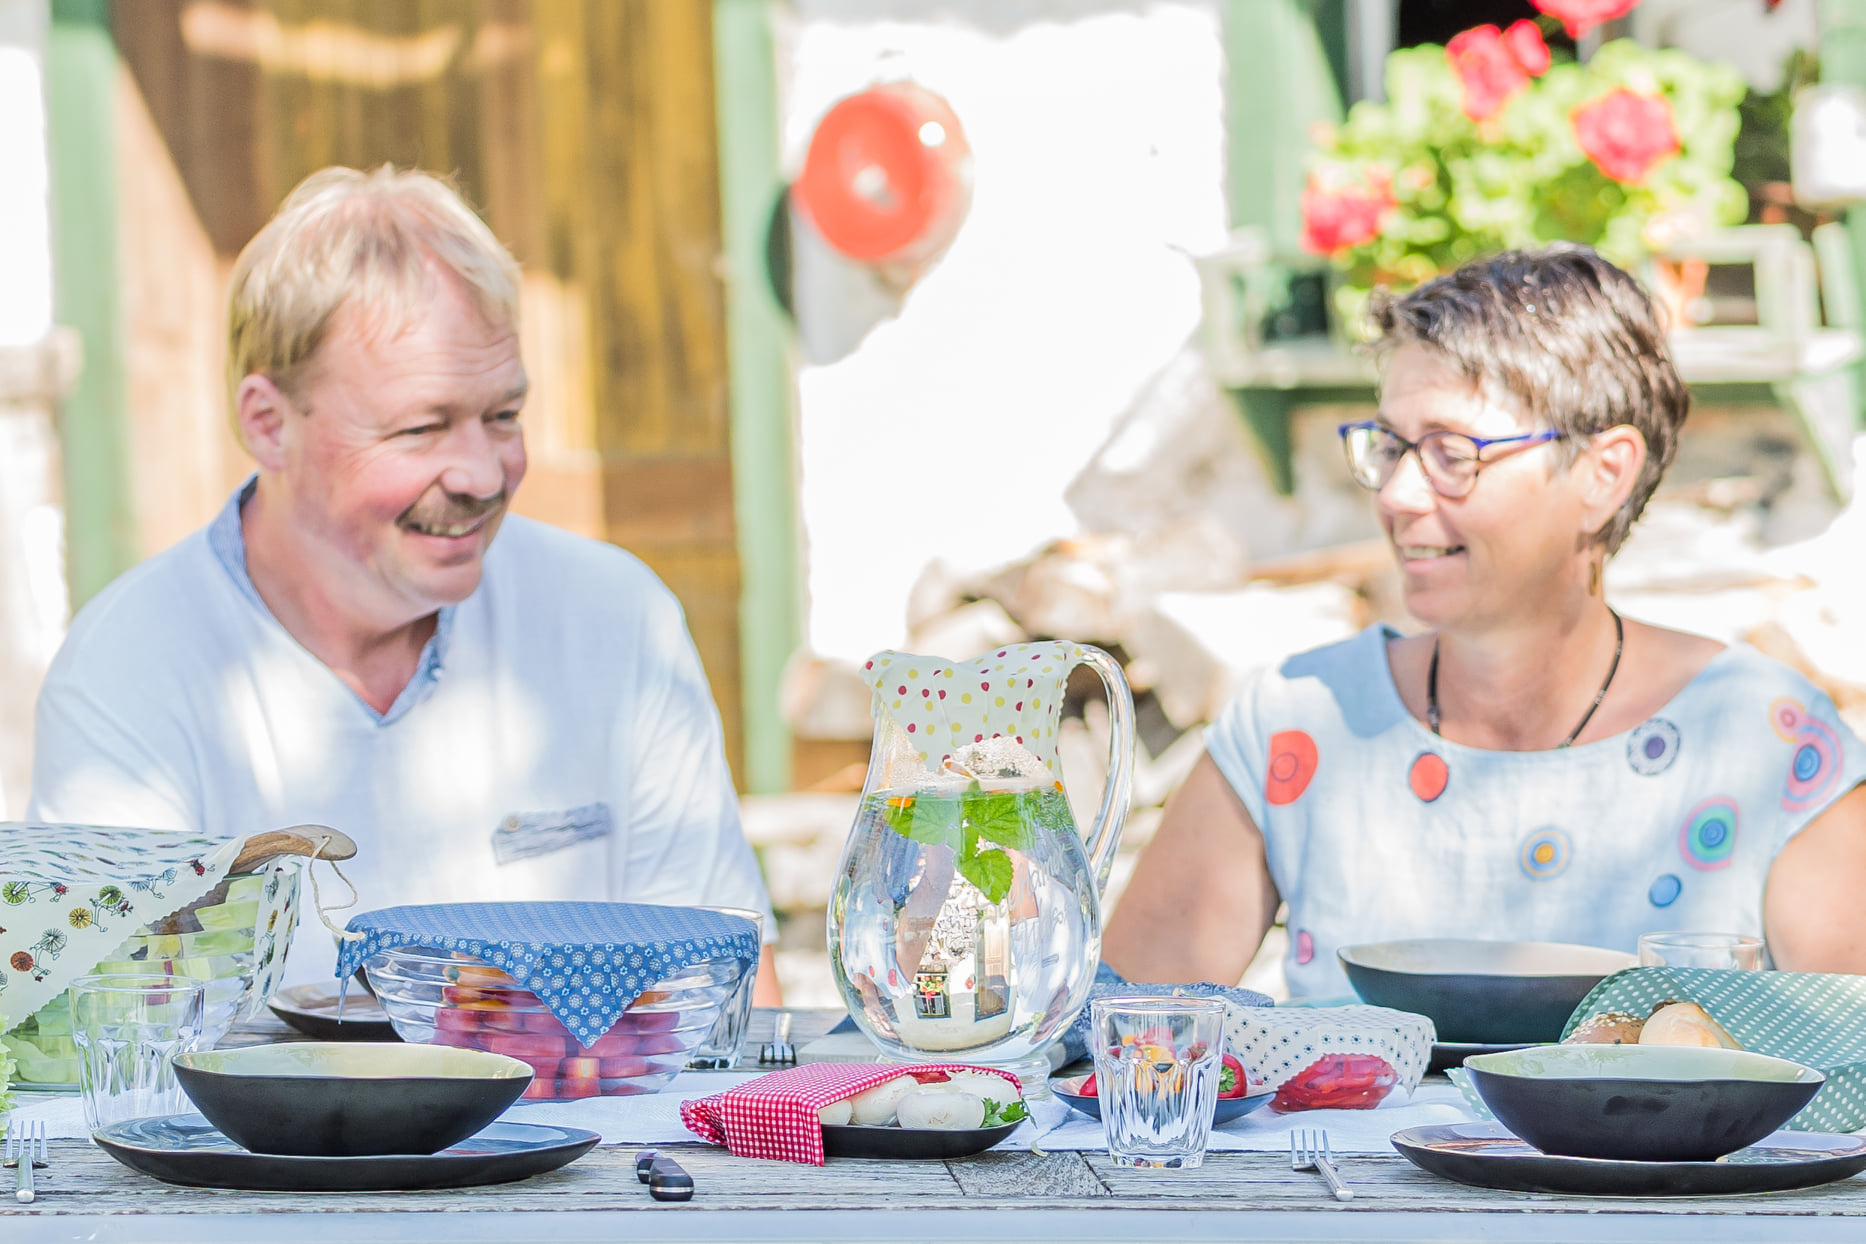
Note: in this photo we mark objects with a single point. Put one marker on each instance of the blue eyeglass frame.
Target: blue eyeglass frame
(1481, 443)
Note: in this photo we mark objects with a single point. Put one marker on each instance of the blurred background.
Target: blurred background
(939, 324)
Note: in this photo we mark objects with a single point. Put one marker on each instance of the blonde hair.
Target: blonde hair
(348, 237)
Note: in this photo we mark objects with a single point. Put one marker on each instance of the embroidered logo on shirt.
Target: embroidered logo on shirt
(522, 835)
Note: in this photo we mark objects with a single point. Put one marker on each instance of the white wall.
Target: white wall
(952, 431)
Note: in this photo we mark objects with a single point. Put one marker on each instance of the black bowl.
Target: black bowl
(1227, 1109)
(1641, 1103)
(1489, 993)
(350, 1100)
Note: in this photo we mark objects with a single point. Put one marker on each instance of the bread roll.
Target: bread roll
(875, 1108)
(1607, 1028)
(1685, 1023)
(835, 1114)
(939, 1108)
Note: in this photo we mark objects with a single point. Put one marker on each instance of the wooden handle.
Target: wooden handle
(298, 840)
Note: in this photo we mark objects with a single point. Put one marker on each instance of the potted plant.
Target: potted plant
(1492, 142)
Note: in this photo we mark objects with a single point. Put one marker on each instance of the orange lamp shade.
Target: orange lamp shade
(888, 176)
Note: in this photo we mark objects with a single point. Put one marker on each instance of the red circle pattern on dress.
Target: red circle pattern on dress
(1429, 777)
(1293, 759)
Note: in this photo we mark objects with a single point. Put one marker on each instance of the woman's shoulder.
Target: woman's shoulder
(1345, 679)
(1739, 674)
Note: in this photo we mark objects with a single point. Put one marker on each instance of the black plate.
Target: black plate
(1227, 1109)
(312, 1010)
(854, 1140)
(1486, 1156)
(1449, 1054)
(185, 1149)
(1512, 993)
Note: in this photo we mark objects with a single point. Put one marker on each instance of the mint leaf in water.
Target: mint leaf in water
(989, 870)
(932, 821)
(998, 816)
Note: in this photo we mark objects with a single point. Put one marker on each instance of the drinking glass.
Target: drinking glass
(720, 1050)
(1701, 950)
(128, 1028)
(1157, 1062)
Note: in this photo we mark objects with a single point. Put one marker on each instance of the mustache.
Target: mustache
(450, 509)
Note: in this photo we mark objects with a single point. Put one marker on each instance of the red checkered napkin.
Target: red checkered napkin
(775, 1116)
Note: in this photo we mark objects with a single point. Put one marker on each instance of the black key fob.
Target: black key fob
(644, 1161)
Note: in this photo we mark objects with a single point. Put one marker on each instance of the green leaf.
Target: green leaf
(997, 1115)
(999, 817)
(929, 821)
(989, 870)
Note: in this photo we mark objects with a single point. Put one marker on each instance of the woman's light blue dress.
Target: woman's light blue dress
(1377, 829)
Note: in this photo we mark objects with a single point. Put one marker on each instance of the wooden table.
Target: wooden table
(85, 1195)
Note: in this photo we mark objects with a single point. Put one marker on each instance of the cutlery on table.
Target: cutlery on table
(779, 1051)
(667, 1180)
(1310, 1151)
(25, 1149)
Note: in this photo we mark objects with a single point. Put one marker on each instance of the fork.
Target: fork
(1310, 1151)
(779, 1051)
(25, 1149)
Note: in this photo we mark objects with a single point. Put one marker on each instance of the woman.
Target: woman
(1533, 766)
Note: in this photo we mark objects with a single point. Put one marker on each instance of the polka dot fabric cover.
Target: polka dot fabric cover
(1278, 1043)
(1812, 1018)
(775, 1116)
(1011, 693)
(587, 962)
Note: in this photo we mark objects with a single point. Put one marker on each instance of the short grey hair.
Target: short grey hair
(1571, 337)
(347, 238)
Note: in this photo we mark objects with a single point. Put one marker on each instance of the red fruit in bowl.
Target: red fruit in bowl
(1088, 1086)
(1338, 1082)
(1233, 1080)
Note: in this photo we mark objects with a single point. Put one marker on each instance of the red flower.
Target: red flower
(1577, 17)
(1527, 46)
(1339, 217)
(1489, 73)
(1625, 134)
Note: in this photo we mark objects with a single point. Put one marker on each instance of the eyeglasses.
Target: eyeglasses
(1450, 460)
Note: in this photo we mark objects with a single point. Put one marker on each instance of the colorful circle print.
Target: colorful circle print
(1305, 947)
(1429, 776)
(1709, 835)
(1665, 890)
(1786, 716)
(1544, 854)
(1814, 769)
(1652, 747)
(1292, 764)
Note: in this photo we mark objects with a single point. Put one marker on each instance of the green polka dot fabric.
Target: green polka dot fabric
(1815, 1019)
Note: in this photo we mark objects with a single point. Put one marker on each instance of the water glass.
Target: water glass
(720, 1050)
(1701, 950)
(1157, 1062)
(128, 1029)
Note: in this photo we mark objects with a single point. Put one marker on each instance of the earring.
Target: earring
(1593, 578)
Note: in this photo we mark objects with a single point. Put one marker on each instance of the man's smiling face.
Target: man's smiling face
(403, 452)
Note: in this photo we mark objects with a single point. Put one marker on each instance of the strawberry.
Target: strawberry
(1233, 1080)
(1088, 1086)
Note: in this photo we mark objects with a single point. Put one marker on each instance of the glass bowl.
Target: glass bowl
(436, 998)
(214, 940)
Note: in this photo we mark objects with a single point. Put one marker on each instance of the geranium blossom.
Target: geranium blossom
(1492, 65)
(1577, 17)
(1336, 218)
(1626, 134)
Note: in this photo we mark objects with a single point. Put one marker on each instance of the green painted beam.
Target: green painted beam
(763, 420)
(1843, 60)
(1283, 61)
(81, 83)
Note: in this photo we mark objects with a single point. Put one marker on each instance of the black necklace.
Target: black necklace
(1619, 643)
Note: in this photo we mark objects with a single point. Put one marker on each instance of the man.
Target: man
(346, 645)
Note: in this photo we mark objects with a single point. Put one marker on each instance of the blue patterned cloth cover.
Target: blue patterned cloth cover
(587, 962)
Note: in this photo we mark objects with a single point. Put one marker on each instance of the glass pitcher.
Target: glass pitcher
(965, 923)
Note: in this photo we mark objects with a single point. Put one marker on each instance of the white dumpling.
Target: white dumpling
(875, 1108)
(939, 1108)
(835, 1114)
(986, 1085)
